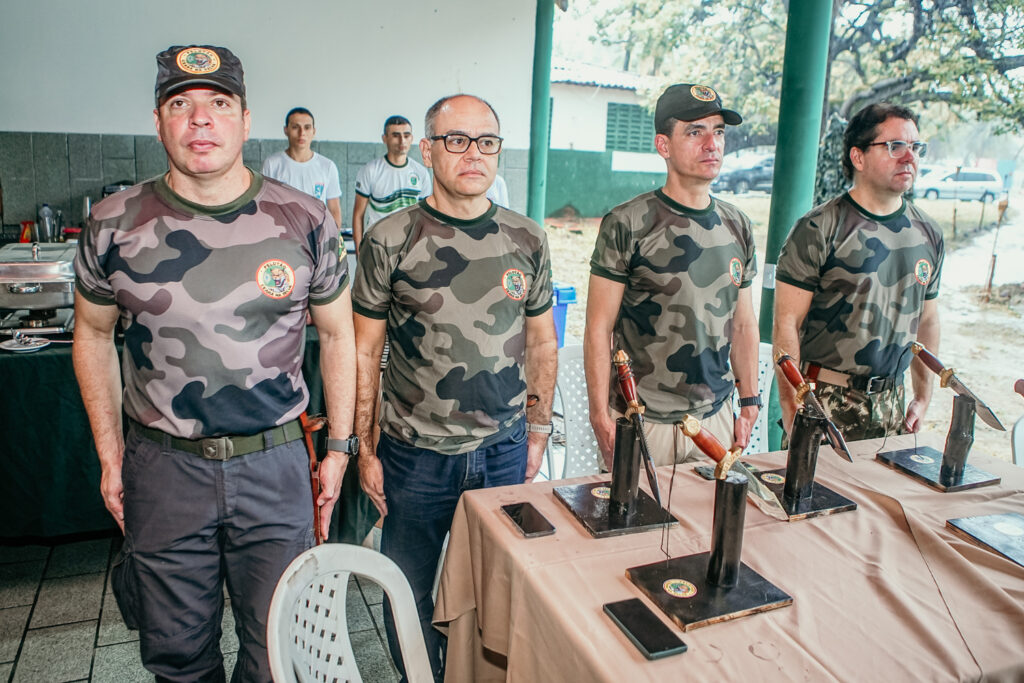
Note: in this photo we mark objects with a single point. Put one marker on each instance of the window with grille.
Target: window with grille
(630, 128)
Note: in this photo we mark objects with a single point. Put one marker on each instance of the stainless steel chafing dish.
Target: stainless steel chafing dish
(37, 276)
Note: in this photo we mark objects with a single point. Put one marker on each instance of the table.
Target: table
(885, 592)
(51, 473)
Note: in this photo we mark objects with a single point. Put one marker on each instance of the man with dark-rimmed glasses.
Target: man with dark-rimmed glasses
(462, 288)
(857, 283)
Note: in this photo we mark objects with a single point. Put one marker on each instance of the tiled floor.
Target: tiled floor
(59, 621)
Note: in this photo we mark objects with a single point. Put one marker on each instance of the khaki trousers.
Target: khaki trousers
(669, 445)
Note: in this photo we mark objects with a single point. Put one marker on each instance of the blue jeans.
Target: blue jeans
(422, 488)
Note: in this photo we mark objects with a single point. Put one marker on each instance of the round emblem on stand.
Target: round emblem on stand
(513, 281)
(923, 271)
(275, 278)
(198, 60)
(736, 271)
(679, 588)
(1008, 529)
(602, 492)
(923, 459)
(772, 478)
(703, 93)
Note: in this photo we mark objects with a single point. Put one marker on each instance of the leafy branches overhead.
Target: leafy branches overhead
(963, 53)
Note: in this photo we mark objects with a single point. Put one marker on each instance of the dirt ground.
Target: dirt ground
(983, 341)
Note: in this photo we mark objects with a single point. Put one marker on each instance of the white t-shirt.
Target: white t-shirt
(389, 188)
(317, 177)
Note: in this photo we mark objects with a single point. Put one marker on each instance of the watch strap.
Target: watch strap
(751, 401)
(540, 429)
(349, 445)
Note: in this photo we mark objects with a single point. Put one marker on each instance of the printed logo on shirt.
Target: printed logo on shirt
(513, 281)
(923, 271)
(736, 271)
(679, 588)
(198, 60)
(703, 93)
(413, 181)
(275, 278)
(318, 190)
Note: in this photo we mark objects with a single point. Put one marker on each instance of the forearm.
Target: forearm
(99, 382)
(743, 358)
(541, 372)
(338, 369)
(785, 338)
(368, 354)
(358, 211)
(597, 363)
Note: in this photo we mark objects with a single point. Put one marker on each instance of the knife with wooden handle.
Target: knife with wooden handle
(948, 378)
(804, 394)
(635, 412)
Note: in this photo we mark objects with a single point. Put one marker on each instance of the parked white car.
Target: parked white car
(968, 183)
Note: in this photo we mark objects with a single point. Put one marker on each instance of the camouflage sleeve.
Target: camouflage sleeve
(803, 253)
(540, 296)
(940, 256)
(90, 275)
(330, 271)
(612, 251)
(371, 293)
(750, 267)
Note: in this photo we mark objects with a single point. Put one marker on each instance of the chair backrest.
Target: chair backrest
(765, 377)
(1017, 441)
(582, 456)
(307, 629)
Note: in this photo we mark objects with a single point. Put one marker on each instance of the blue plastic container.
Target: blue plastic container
(564, 295)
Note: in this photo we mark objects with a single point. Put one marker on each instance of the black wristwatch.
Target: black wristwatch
(751, 401)
(349, 445)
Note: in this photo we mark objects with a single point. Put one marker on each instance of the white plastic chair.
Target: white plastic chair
(307, 629)
(582, 456)
(765, 377)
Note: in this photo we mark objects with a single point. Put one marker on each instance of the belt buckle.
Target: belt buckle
(218, 448)
(875, 385)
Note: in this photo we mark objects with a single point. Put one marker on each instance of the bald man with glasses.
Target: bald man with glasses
(858, 281)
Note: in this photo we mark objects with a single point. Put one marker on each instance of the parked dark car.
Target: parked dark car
(741, 180)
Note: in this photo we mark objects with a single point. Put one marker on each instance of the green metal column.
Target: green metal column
(808, 28)
(540, 111)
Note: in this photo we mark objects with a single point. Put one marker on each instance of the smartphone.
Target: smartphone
(642, 626)
(530, 522)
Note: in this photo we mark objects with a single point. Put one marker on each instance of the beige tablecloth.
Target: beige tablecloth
(885, 592)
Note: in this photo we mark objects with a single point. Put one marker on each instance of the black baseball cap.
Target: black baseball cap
(689, 102)
(183, 66)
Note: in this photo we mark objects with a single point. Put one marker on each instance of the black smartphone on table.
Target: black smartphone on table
(642, 626)
(528, 519)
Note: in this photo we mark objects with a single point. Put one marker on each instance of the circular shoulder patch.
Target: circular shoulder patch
(923, 271)
(736, 271)
(679, 588)
(275, 278)
(773, 478)
(703, 93)
(602, 492)
(198, 60)
(923, 459)
(513, 281)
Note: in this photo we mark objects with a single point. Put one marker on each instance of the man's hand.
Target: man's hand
(915, 415)
(371, 478)
(743, 425)
(112, 491)
(604, 431)
(332, 471)
(536, 445)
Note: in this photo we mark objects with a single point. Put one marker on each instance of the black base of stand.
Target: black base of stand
(923, 463)
(589, 503)
(1002, 533)
(679, 586)
(822, 501)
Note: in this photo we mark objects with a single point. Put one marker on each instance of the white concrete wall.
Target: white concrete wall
(580, 113)
(88, 66)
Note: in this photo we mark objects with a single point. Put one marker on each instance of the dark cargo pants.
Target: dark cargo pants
(192, 524)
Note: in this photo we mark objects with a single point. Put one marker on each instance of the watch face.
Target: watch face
(353, 446)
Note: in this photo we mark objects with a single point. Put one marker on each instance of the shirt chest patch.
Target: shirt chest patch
(923, 271)
(513, 281)
(736, 271)
(275, 278)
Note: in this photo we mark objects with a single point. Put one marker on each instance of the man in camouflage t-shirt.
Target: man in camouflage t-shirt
(463, 290)
(211, 269)
(670, 285)
(857, 282)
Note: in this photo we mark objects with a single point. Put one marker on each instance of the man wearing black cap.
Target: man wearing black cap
(670, 285)
(211, 269)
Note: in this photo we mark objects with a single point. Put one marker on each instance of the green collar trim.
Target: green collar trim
(396, 165)
(173, 199)
(459, 222)
(881, 219)
(680, 208)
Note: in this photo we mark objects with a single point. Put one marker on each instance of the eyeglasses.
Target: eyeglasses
(897, 148)
(457, 143)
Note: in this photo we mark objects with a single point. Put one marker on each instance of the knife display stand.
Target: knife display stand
(621, 507)
(948, 471)
(800, 495)
(707, 588)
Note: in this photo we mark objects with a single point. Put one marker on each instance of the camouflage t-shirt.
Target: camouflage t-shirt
(683, 270)
(869, 277)
(455, 295)
(213, 301)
